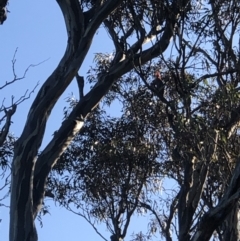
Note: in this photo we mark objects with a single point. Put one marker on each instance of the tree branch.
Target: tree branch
(80, 82)
(9, 113)
(79, 41)
(75, 121)
(213, 218)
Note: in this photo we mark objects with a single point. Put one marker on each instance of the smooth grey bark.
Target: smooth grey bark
(29, 173)
(22, 212)
(215, 216)
(189, 196)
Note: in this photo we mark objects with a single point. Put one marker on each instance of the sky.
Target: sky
(37, 31)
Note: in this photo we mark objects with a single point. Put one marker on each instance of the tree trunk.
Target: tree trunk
(230, 226)
(30, 171)
(23, 210)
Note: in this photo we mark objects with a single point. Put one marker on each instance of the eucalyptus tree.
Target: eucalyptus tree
(201, 96)
(153, 140)
(113, 163)
(199, 102)
(131, 25)
(198, 91)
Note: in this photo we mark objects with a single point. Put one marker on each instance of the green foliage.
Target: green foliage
(179, 121)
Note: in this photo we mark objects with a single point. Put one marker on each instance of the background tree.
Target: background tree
(107, 168)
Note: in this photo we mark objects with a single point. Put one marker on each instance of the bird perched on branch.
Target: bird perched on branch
(159, 86)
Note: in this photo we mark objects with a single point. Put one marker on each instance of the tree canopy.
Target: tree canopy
(175, 73)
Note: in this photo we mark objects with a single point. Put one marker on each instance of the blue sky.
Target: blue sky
(37, 29)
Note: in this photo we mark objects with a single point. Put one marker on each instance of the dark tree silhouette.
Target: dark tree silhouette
(3, 10)
(197, 111)
(123, 19)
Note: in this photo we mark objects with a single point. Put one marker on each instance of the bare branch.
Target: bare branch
(88, 220)
(14, 72)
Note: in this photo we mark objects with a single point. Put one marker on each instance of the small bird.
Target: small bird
(158, 75)
(159, 86)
